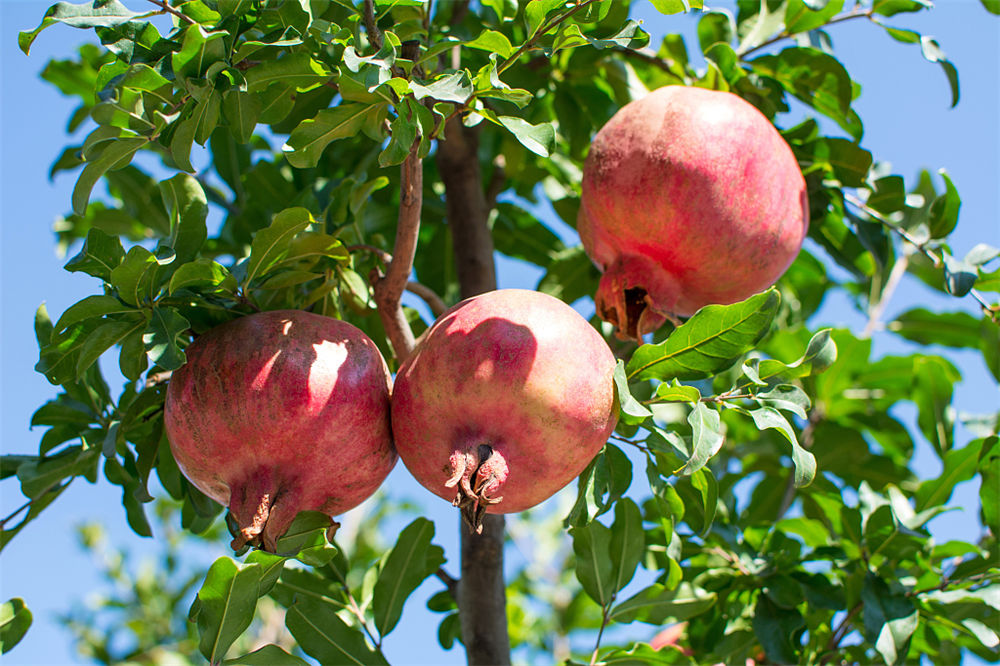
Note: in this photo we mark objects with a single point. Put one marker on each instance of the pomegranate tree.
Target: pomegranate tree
(690, 197)
(503, 402)
(281, 412)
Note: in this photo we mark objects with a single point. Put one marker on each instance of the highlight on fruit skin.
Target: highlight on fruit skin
(690, 197)
(280, 412)
(504, 401)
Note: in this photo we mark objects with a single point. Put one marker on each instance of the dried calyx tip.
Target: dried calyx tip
(475, 473)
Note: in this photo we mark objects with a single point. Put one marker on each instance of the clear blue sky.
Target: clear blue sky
(905, 106)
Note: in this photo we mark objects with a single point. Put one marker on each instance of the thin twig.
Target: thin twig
(542, 28)
(847, 16)
(450, 582)
(429, 296)
(382, 255)
(389, 289)
(838, 634)
(165, 6)
(877, 308)
(374, 34)
(606, 617)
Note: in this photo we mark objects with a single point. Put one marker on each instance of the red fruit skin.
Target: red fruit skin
(281, 412)
(518, 371)
(691, 197)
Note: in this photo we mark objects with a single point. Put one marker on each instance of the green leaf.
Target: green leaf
(778, 630)
(890, 618)
(932, 390)
(204, 274)
(308, 539)
(165, 337)
(788, 397)
(269, 655)
(817, 79)
(57, 360)
(950, 329)
(271, 244)
(409, 563)
(187, 209)
(712, 340)
(299, 70)
(536, 11)
(135, 277)
(594, 567)
(454, 87)
(820, 354)
(321, 633)
(308, 141)
(117, 153)
(669, 6)
(933, 53)
(674, 391)
(539, 139)
(200, 49)
(628, 544)
(706, 438)
(492, 42)
(893, 7)
(225, 606)
(91, 306)
(84, 15)
(104, 337)
(15, 619)
(960, 276)
(632, 411)
(241, 111)
(38, 477)
(658, 605)
(989, 489)
(700, 493)
(604, 480)
(944, 209)
(805, 462)
(800, 17)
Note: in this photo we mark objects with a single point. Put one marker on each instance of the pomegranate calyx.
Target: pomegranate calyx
(476, 474)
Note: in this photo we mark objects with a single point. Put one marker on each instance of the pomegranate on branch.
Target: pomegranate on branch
(690, 197)
(504, 401)
(281, 412)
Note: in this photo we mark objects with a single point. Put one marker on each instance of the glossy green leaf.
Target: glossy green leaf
(805, 462)
(632, 411)
(203, 274)
(989, 489)
(788, 397)
(820, 354)
(271, 244)
(950, 329)
(15, 619)
(800, 17)
(57, 359)
(117, 153)
(91, 306)
(39, 477)
(539, 138)
(225, 606)
(712, 340)
(628, 543)
(104, 337)
(700, 493)
(778, 630)
(409, 563)
(321, 633)
(658, 605)
(537, 11)
(604, 480)
(890, 618)
(84, 15)
(308, 141)
(298, 70)
(492, 42)
(269, 655)
(165, 338)
(706, 438)
(187, 210)
(594, 568)
(933, 53)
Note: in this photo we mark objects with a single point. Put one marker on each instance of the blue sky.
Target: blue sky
(905, 106)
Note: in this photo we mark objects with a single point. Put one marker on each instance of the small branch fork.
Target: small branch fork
(165, 7)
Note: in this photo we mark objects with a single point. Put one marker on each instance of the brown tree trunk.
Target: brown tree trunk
(482, 600)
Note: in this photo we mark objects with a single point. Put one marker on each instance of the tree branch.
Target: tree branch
(374, 34)
(389, 288)
(165, 6)
(846, 16)
(433, 301)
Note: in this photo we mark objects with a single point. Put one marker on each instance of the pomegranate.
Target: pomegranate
(690, 197)
(281, 412)
(505, 400)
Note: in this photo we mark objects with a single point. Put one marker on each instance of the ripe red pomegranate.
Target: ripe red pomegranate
(281, 412)
(505, 400)
(690, 197)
